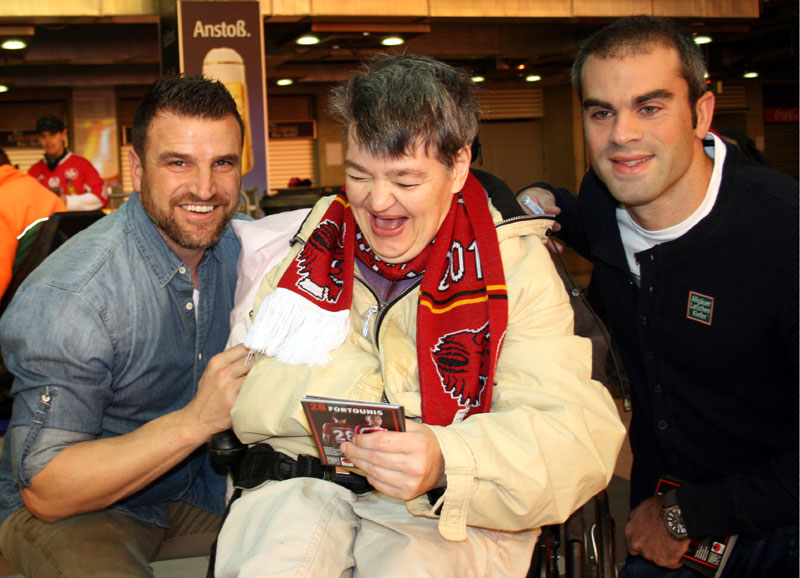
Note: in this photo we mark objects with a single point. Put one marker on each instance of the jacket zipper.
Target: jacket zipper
(381, 308)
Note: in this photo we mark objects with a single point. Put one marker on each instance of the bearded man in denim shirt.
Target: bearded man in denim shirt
(115, 344)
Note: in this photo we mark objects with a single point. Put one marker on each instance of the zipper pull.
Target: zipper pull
(370, 312)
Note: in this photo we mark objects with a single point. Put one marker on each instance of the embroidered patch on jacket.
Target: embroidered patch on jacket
(700, 308)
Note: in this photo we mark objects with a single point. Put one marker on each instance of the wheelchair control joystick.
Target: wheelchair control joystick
(225, 449)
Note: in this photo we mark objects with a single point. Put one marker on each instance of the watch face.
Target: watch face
(674, 521)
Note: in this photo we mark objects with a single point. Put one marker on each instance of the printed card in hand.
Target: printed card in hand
(335, 421)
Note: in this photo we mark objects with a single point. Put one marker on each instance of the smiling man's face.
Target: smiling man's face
(190, 178)
(638, 124)
(399, 204)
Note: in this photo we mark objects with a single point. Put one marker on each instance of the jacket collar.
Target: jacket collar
(598, 208)
(598, 213)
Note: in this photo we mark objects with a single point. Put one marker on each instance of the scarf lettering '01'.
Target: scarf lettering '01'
(462, 312)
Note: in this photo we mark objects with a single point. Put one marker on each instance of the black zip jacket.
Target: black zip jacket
(710, 342)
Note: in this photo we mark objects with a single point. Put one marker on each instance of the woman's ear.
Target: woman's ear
(460, 168)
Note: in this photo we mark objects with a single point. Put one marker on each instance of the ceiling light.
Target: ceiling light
(14, 44)
(478, 79)
(392, 41)
(521, 66)
(285, 82)
(702, 39)
(533, 78)
(750, 75)
(3, 88)
(307, 40)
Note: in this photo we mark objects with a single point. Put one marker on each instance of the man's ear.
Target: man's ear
(460, 168)
(704, 108)
(137, 170)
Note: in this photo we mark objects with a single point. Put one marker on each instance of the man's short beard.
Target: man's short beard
(168, 225)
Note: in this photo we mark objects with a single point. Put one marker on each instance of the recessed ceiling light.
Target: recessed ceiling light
(478, 79)
(533, 78)
(3, 88)
(392, 41)
(307, 40)
(14, 44)
(750, 75)
(285, 82)
(702, 39)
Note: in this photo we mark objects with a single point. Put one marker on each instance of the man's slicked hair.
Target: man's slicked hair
(394, 103)
(637, 35)
(191, 96)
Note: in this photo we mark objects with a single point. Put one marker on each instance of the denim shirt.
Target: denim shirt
(102, 338)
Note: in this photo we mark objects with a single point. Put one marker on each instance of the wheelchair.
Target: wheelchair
(583, 546)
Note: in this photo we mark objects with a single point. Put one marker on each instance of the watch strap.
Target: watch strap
(671, 497)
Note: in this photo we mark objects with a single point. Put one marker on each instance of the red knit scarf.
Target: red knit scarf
(462, 311)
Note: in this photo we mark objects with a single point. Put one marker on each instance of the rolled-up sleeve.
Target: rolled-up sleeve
(55, 343)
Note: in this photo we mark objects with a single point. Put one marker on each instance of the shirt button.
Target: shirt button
(182, 270)
(651, 288)
(189, 306)
(642, 320)
(652, 258)
(657, 388)
(199, 356)
(46, 398)
(662, 424)
(648, 355)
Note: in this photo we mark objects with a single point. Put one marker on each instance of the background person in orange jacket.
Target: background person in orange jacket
(23, 202)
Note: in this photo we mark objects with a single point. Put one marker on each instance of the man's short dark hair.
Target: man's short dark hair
(4, 160)
(49, 123)
(636, 35)
(192, 96)
(395, 102)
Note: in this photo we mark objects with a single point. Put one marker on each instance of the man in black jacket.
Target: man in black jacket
(695, 252)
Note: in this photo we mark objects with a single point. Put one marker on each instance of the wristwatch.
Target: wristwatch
(672, 516)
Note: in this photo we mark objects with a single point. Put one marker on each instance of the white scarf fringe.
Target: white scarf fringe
(293, 330)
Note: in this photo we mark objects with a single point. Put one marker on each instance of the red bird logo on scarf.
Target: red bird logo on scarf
(452, 355)
(323, 283)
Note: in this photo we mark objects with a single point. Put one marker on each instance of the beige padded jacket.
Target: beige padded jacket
(551, 439)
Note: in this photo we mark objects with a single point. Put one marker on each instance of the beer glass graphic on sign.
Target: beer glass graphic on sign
(227, 66)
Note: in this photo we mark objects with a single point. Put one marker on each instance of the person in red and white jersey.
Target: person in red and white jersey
(336, 432)
(373, 423)
(68, 175)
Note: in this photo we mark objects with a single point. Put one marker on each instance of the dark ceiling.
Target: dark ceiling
(125, 52)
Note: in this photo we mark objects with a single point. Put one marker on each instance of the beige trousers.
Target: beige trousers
(305, 527)
(103, 544)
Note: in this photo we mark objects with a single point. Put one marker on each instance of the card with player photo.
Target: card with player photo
(335, 421)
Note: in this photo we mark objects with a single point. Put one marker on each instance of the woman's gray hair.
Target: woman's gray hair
(395, 102)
